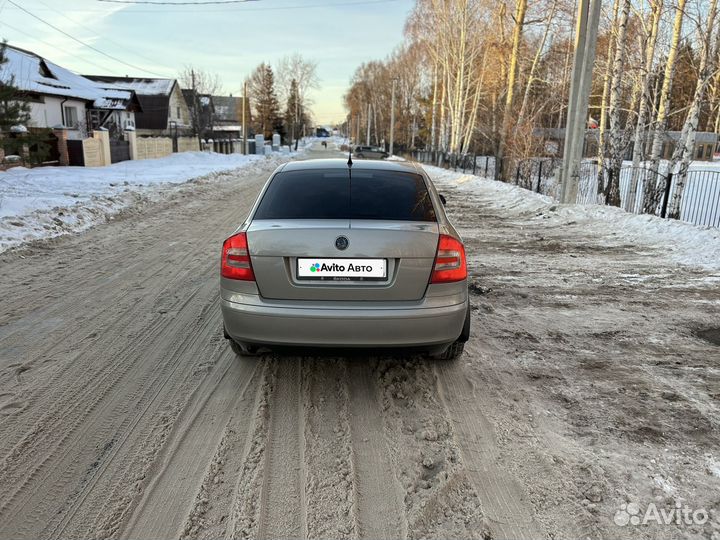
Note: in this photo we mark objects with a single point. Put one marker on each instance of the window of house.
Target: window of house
(71, 117)
(178, 113)
(699, 152)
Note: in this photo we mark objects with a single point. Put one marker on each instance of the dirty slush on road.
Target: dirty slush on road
(123, 413)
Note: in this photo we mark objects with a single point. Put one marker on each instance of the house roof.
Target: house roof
(153, 95)
(33, 73)
(141, 86)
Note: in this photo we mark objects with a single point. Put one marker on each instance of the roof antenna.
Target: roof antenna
(349, 161)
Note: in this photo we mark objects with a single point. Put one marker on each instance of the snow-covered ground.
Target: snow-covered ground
(49, 201)
(685, 243)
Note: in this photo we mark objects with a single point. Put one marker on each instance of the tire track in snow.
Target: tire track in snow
(378, 496)
(328, 456)
(221, 398)
(283, 510)
(211, 511)
(138, 438)
(246, 494)
(438, 500)
(504, 503)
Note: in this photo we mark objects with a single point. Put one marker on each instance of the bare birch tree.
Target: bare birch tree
(520, 11)
(654, 188)
(607, 79)
(645, 88)
(296, 68)
(710, 45)
(617, 146)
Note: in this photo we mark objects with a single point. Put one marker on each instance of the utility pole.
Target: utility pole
(367, 138)
(586, 31)
(392, 118)
(244, 119)
(297, 112)
(196, 108)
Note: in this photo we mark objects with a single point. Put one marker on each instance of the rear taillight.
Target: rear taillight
(236, 259)
(449, 261)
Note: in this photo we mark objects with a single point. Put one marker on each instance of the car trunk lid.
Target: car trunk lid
(407, 248)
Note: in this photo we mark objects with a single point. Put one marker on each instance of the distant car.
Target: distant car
(370, 152)
(332, 256)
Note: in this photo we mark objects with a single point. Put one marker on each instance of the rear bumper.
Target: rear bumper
(433, 321)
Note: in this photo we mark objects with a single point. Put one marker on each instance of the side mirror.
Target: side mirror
(442, 199)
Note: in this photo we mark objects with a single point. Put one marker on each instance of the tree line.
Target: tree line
(280, 96)
(478, 76)
(279, 100)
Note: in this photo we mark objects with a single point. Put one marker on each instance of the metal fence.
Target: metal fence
(654, 191)
(467, 163)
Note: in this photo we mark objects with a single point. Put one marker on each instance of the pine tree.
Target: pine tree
(294, 111)
(15, 111)
(262, 92)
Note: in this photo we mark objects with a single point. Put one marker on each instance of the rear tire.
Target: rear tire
(465, 334)
(242, 349)
(453, 352)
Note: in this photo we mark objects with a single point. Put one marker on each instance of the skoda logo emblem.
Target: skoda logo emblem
(341, 242)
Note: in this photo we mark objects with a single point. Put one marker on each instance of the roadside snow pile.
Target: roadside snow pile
(685, 243)
(50, 201)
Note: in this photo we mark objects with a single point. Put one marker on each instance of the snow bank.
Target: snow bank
(50, 201)
(683, 242)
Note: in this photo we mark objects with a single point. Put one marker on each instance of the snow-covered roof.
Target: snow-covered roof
(142, 86)
(32, 73)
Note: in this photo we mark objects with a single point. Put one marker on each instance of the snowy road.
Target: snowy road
(123, 413)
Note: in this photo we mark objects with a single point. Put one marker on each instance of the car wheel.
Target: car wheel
(452, 352)
(465, 334)
(242, 349)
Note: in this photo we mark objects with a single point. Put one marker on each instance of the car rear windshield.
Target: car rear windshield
(335, 194)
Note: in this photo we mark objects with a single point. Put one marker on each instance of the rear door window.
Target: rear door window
(335, 194)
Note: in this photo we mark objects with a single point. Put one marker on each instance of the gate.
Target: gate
(76, 155)
(119, 151)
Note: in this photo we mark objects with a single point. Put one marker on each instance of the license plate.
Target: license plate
(342, 269)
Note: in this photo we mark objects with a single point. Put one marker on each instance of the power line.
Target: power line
(105, 38)
(82, 42)
(3, 23)
(236, 9)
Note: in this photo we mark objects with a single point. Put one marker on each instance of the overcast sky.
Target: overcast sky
(229, 40)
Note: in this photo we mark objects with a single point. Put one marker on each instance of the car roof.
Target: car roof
(360, 164)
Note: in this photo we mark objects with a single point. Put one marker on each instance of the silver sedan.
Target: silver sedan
(338, 255)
